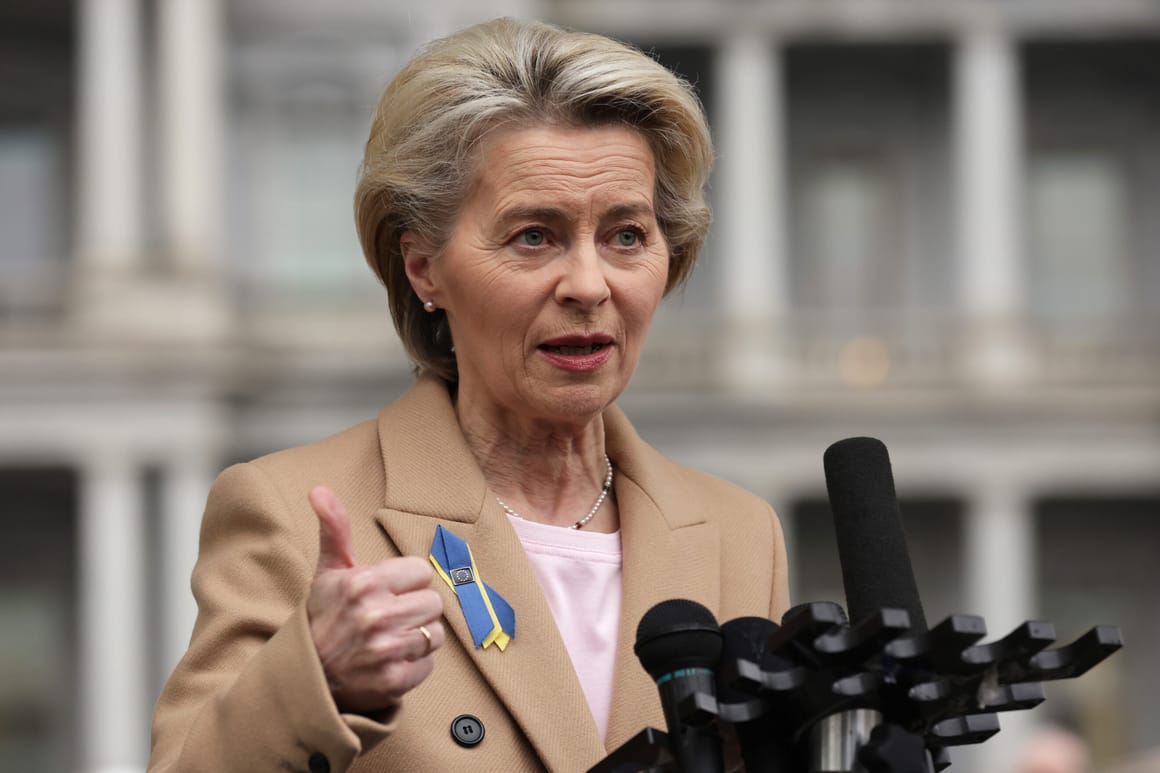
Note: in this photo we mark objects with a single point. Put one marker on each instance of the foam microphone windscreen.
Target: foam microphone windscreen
(876, 570)
(679, 643)
(764, 741)
(676, 634)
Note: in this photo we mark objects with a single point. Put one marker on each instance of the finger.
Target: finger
(437, 634)
(404, 645)
(382, 685)
(398, 612)
(400, 677)
(405, 574)
(426, 644)
(334, 550)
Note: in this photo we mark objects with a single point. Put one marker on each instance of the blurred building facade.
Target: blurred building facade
(935, 224)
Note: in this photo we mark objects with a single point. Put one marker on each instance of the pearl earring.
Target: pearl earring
(429, 306)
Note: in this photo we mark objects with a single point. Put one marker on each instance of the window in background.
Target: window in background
(1081, 259)
(870, 216)
(33, 243)
(852, 260)
(1097, 566)
(1092, 126)
(310, 240)
(298, 126)
(38, 74)
(297, 222)
(38, 609)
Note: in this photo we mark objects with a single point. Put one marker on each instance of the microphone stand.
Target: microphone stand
(873, 698)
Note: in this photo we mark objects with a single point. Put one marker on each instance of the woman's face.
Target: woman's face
(553, 272)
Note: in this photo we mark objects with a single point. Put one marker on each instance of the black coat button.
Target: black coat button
(318, 763)
(466, 730)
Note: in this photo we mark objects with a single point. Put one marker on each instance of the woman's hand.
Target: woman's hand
(365, 620)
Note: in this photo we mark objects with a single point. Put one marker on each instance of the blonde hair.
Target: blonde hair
(419, 161)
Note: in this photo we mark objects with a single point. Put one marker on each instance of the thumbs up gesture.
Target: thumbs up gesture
(368, 622)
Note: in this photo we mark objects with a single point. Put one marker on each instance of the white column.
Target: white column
(185, 481)
(989, 168)
(114, 716)
(110, 234)
(750, 230)
(1000, 558)
(1001, 586)
(192, 117)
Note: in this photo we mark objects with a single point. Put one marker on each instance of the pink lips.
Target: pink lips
(578, 353)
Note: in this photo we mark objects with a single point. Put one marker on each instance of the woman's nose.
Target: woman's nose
(583, 282)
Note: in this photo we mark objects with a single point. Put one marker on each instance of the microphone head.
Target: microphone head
(747, 638)
(876, 570)
(676, 634)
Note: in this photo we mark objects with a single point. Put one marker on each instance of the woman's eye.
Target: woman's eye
(533, 237)
(627, 237)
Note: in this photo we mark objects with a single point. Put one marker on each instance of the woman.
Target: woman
(528, 196)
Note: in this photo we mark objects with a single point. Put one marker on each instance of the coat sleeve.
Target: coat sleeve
(250, 693)
(779, 596)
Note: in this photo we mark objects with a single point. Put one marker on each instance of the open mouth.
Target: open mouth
(573, 351)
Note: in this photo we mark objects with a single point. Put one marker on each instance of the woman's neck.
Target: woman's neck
(545, 473)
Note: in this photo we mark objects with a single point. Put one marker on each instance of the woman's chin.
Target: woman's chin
(575, 404)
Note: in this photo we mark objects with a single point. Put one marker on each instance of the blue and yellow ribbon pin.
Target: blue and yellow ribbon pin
(490, 619)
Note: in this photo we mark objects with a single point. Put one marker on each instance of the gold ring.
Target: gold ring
(426, 635)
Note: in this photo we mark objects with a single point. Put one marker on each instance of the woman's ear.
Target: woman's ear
(417, 257)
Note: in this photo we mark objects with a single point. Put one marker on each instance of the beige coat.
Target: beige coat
(250, 694)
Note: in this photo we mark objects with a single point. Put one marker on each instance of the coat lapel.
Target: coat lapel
(669, 552)
(432, 479)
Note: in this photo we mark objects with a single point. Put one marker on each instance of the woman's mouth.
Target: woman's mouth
(573, 350)
(576, 353)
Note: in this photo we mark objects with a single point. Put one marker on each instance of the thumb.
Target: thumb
(334, 551)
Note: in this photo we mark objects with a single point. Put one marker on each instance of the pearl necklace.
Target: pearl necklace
(599, 500)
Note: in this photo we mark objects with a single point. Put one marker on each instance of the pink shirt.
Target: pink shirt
(579, 572)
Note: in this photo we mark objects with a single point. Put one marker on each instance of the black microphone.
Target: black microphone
(872, 551)
(876, 573)
(679, 644)
(764, 747)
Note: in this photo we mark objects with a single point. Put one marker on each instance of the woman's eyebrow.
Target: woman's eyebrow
(643, 209)
(548, 214)
(541, 214)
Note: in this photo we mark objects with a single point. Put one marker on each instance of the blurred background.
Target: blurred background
(936, 223)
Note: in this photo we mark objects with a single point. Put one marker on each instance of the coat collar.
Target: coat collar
(670, 551)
